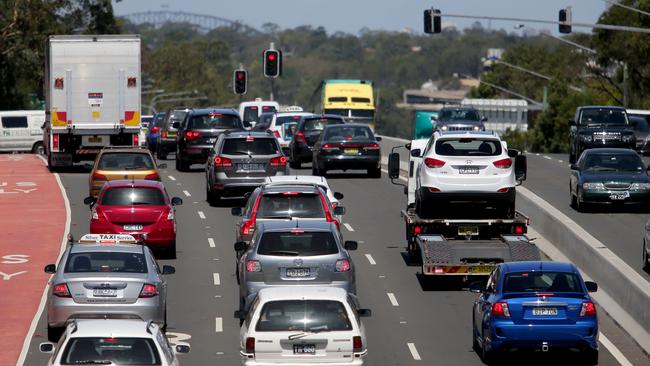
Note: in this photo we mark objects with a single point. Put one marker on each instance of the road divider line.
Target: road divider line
(414, 351)
(348, 226)
(218, 324)
(216, 279)
(392, 298)
(618, 355)
(201, 215)
(371, 259)
(186, 193)
(171, 178)
(211, 242)
(548, 157)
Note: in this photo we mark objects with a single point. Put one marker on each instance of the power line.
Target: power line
(616, 3)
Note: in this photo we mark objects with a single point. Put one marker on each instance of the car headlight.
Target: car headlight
(477, 128)
(640, 186)
(628, 138)
(444, 128)
(593, 186)
(586, 138)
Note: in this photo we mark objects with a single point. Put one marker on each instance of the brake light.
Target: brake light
(61, 290)
(328, 214)
(357, 344)
(588, 309)
(164, 134)
(153, 176)
(433, 189)
(247, 227)
(250, 345)
(220, 161)
(276, 133)
(300, 137)
(279, 161)
(297, 232)
(503, 190)
(154, 129)
(519, 230)
(148, 291)
(136, 139)
(55, 142)
(192, 135)
(500, 309)
(433, 163)
(545, 294)
(503, 163)
(330, 146)
(417, 229)
(290, 193)
(343, 265)
(373, 146)
(97, 176)
(253, 266)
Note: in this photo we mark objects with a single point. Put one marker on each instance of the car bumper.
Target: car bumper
(251, 362)
(158, 236)
(167, 145)
(62, 310)
(525, 336)
(238, 186)
(604, 197)
(196, 154)
(349, 162)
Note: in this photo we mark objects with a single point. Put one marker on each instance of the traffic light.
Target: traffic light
(432, 21)
(240, 81)
(565, 20)
(272, 63)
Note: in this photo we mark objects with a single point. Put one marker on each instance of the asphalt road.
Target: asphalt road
(417, 324)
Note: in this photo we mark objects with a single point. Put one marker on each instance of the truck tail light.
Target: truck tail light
(61, 290)
(148, 291)
(276, 133)
(503, 163)
(343, 265)
(357, 344)
(55, 142)
(220, 161)
(433, 163)
(279, 161)
(250, 345)
(588, 309)
(300, 137)
(253, 266)
(97, 176)
(153, 176)
(500, 309)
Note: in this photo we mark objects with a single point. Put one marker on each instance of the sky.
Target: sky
(352, 15)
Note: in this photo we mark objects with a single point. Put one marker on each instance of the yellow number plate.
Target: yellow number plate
(351, 151)
(481, 269)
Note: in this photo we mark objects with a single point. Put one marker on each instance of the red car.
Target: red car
(141, 208)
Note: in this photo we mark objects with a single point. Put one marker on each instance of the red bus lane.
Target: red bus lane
(32, 225)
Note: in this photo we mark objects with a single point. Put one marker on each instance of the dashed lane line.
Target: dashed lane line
(201, 215)
(217, 279)
(392, 298)
(371, 259)
(348, 226)
(218, 324)
(211, 243)
(414, 351)
(618, 355)
(186, 193)
(171, 177)
(548, 157)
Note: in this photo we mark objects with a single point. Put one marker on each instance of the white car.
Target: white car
(471, 173)
(282, 124)
(250, 111)
(313, 326)
(113, 342)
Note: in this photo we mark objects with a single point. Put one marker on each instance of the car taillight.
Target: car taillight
(500, 309)
(433, 189)
(136, 139)
(253, 266)
(164, 134)
(417, 229)
(330, 146)
(247, 228)
(276, 133)
(343, 265)
(503, 163)
(170, 215)
(300, 137)
(328, 214)
(153, 176)
(155, 129)
(55, 142)
(279, 161)
(433, 163)
(220, 161)
(250, 345)
(61, 290)
(503, 190)
(357, 344)
(520, 229)
(372, 146)
(148, 291)
(588, 309)
(97, 176)
(192, 135)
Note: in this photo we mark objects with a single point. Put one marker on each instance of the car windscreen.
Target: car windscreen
(251, 114)
(120, 262)
(125, 161)
(176, 116)
(541, 282)
(459, 115)
(109, 350)
(303, 315)
(215, 121)
(128, 196)
(600, 116)
(318, 124)
(613, 163)
(288, 204)
(640, 123)
(297, 243)
(347, 133)
(284, 119)
(158, 118)
(468, 147)
(250, 146)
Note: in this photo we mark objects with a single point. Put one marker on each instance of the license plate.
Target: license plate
(619, 196)
(298, 272)
(481, 269)
(468, 170)
(133, 227)
(304, 349)
(468, 230)
(104, 292)
(250, 166)
(351, 151)
(95, 139)
(544, 311)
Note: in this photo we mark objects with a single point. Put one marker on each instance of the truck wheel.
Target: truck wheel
(181, 166)
(38, 148)
(590, 357)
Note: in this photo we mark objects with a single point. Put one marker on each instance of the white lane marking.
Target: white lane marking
(171, 178)
(392, 298)
(216, 279)
(211, 242)
(548, 157)
(618, 355)
(202, 215)
(371, 259)
(560, 161)
(187, 193)
(414, 351)
(218, 324)
(41, 305)
(537, 154)
(347, 226)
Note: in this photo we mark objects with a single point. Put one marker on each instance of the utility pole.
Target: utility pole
(625, 89)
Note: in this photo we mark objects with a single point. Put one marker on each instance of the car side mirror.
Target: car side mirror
(50, 268)
(176, 125)
(476, 287)
(591, 286)
(364, 313)
(247, 195)
(572, 122)
(240, 246)
(177, 201)
(393, 166)
(338, 195)
(339, 210)
(236, 211)
(46, 347)
(521, 168)
(513, 153)
(182, 348)
(167, 270)
(162, 166)
(351, 245)
(484, 119)
(89, 201)
(407, 146)
(575, 167)
(378, 138)
(416, 153)
(240, 314)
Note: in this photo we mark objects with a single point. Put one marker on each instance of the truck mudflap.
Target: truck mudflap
(442, 257)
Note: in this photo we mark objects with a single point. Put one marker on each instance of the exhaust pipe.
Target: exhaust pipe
(544, 346)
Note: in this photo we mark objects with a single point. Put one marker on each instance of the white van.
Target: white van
(22, 131)
(250, 111)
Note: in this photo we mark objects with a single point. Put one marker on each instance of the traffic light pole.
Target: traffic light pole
(272, 89)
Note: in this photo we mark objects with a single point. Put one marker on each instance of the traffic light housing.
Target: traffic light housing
(565, 20)
(272, 63)
(240, 81)
(432, 21)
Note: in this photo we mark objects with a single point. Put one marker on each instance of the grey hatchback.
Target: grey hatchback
(240, 162)
(298, 252)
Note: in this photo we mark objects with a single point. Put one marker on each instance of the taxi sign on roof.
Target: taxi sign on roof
(108, 239)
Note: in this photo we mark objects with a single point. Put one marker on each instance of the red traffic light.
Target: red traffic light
(239, 75)
(271, 56)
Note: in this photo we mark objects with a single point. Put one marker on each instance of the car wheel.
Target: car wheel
(580, 205)
(164, 326)
(374, 173)
(475, 346)
(181, 166)
(646, 260)
(54, 333)
(314, 169)
(573, 199)
(38, 148)
(213, 198)
(488, 357)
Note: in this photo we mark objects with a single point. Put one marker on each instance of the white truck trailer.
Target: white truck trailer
(92, 96)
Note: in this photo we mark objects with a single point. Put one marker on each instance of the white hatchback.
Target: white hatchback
(312, 326)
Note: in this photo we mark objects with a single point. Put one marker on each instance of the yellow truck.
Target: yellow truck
(352, 99)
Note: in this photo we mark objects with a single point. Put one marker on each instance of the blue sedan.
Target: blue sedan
(152, 132)
(535, 306)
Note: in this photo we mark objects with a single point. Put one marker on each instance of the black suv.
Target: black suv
(166, 140)
(308, 131)
(199, 131)
(599, 126)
